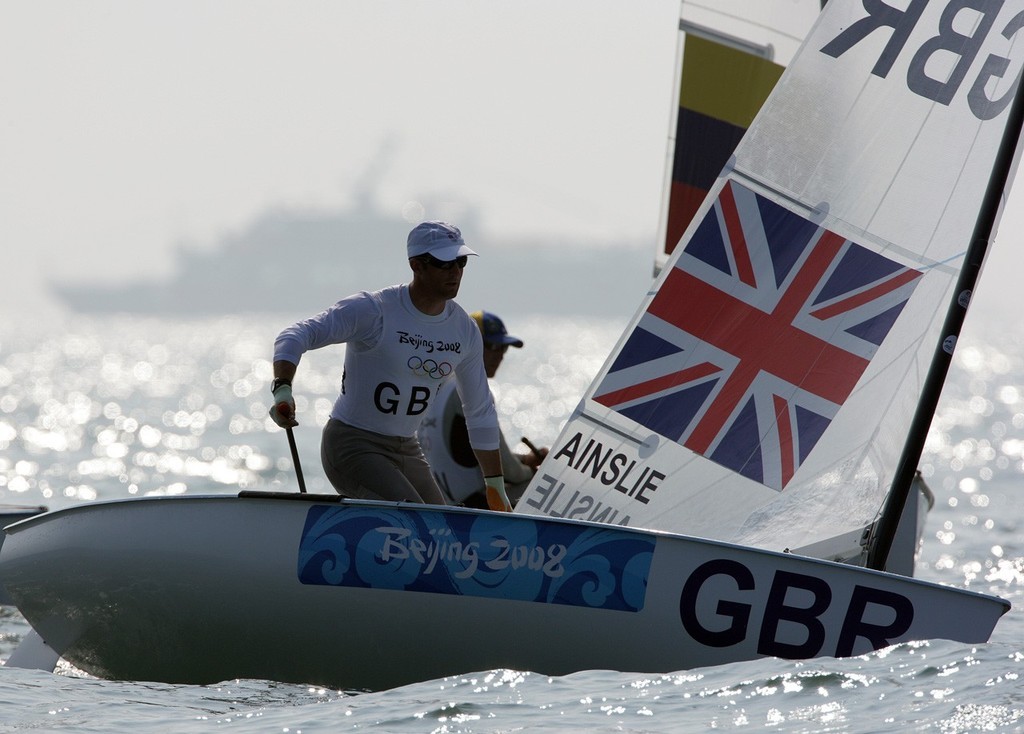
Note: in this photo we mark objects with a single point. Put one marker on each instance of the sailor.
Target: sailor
(445, 439)
(403, 344)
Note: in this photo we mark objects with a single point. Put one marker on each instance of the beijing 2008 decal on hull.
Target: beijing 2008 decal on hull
(471, 555)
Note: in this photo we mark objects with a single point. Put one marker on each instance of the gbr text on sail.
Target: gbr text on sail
(939, 66)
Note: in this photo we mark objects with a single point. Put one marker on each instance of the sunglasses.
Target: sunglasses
(445, 264)
(496, 347)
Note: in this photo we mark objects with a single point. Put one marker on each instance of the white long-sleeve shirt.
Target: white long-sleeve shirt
(396, 360)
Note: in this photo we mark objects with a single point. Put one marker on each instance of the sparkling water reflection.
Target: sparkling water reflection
(126, 406)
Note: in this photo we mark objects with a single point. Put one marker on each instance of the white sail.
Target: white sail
(763, 391)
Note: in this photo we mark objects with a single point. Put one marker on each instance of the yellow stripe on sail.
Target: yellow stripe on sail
(725, 83)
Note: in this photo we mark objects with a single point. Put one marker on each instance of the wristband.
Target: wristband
(283, 394)
(497, 498)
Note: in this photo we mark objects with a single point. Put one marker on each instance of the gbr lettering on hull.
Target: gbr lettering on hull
(802, 611)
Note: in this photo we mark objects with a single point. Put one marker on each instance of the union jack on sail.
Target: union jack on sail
(757, 336)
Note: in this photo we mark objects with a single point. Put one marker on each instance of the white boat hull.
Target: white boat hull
(357, 595)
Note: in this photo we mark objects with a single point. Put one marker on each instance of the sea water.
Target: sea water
(106, 407)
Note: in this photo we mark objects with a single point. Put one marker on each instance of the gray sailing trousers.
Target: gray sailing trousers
(366, 465)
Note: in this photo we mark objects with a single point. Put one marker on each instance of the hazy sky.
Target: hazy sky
(129, 128)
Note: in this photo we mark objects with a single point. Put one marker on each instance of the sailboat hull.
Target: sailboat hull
(363, 595)
(10, 514)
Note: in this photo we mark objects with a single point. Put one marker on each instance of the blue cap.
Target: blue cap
(493, 329)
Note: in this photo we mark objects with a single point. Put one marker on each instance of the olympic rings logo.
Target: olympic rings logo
(429, 368)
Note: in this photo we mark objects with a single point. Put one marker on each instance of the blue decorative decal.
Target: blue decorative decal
(492, 556)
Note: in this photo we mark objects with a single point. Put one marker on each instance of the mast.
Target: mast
(885, 528)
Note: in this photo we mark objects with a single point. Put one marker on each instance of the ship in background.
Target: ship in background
(299, 262)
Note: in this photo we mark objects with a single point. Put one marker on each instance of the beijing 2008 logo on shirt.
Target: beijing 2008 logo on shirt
(429, 368)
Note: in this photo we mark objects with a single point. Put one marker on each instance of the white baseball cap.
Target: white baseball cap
(440, 239)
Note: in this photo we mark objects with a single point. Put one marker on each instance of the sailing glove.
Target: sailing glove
(283, 410)
(497, 498)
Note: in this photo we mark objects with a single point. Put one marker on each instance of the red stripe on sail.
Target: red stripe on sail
(737, 242)
(685, 201)
(848, 304)
(785, 428)
(649, 387)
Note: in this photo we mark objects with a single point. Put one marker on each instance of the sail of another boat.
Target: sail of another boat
(729, 57)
